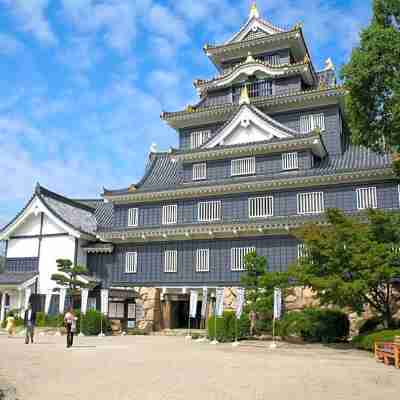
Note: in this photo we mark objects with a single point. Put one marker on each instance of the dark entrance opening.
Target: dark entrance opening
(179, 314)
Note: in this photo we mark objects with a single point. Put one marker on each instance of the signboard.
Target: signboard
(239, 302)
(139, 312)
(219, 304)
(130, 324)
(84, 300)
(204, 303)
(104, 301)
(193, 303)
(277, 303)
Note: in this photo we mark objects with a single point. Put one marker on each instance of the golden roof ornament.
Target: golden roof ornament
(249, 58)
(190, 108)
(254, 13)
(306, 59)
(244, 96)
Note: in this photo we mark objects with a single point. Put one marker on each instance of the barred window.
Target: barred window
(310, 203)
(131, 262)
(243, 166)
(203, 260)
(301, 251)
(261, 207)
(209, 211)
(290, 161)
(366, 198)
(169, 214)
(199, 171)
(198, 138)
(309, 123)
(170, 261)
(273, 59)
(133, 217)
(237, 257)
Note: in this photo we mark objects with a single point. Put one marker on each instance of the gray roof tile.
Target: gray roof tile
(16, 278)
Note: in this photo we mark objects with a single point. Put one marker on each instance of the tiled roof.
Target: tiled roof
(16, 278)
(167, 174)
(103, 211)
(75, 214)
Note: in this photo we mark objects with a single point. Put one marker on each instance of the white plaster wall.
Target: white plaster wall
(82, 256)
(30, 227)
(247, 135)
(50, 227)
(52, 249)
(19, 248)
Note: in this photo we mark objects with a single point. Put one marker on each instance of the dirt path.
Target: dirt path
(168, 368)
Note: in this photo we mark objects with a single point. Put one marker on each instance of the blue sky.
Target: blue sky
(83, 82)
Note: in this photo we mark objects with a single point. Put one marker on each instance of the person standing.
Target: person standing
(253, 321)
(70, 325)
(29, 323)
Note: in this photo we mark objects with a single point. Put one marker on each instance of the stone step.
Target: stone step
(180, 332)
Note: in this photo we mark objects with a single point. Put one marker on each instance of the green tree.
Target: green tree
(352, 262)
(260, 283)
(372, 78)
(70, 276)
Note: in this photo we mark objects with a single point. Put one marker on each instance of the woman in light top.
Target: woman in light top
(70, 325)
(11, 323)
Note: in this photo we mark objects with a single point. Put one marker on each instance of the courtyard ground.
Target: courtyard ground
(169, 368)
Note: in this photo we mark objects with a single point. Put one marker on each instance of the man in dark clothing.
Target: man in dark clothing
(29, 323)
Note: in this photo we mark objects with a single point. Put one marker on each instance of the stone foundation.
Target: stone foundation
(148, 307)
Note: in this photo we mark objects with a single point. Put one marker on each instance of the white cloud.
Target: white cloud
(9, 45)
(115, 19)
(31, 17)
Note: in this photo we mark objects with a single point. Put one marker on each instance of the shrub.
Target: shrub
(92, 323)
(367, 341)
(315, 325)
(226, 327)
(370, 325)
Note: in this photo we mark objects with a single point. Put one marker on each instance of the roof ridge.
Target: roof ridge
(41, 190)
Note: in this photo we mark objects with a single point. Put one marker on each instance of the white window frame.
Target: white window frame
(243, 166)
(261, 207)
(131, 258)
(237, 257)
(198, 138)
(209, 211)
(310, 122)
(366, 198)
(203, 260)
(310, 203)
(170, 261)
(133, 216)
(199, 171)
(169, 214)
(301, 251)
(290, 161)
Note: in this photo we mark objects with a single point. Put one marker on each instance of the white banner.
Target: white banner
(61, 306)
(28, 292)
(277, 303)
(239, 302)
(3, 307)
(193, 303)
(219, 304)
(84, 300)
(104, 301)
(204, 304)
(47, 302)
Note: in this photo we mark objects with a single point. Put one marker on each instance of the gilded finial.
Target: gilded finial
(306, 59)
(254, 13)
(250, 57)
(190, 108)
(244, 96)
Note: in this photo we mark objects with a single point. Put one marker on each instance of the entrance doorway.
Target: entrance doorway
(179, 314)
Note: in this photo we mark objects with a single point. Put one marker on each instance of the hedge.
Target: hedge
(315, 325)
(367, 341)
(226, 328)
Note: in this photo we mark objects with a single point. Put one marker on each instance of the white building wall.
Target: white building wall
(82, 256)
(20, 248)
(53, 248)
(50, 227)
(30, 227)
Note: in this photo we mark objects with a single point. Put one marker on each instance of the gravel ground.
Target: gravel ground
(169, 368)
